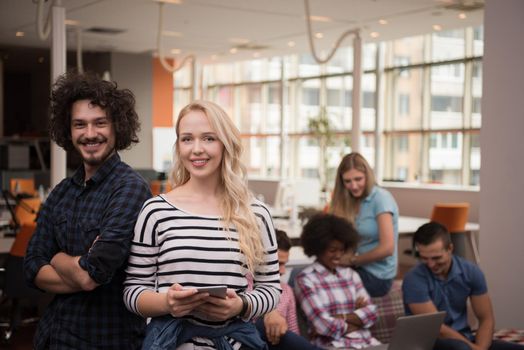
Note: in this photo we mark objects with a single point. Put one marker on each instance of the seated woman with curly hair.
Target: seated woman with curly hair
(331, 296)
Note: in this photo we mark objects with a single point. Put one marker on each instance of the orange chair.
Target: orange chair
(455, 216)
(452, 215)
(167, 186)
(23, 236)
(25, 186)
(159, 186)
(26, 210)
(156, 187)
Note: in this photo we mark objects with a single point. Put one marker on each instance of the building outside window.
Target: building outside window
(429, 105)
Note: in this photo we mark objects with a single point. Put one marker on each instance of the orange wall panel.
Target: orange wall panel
(162, 95)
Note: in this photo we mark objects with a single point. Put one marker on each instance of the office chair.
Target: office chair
(155, 186)
(22, 186)
(16, 290)
(159, 186)
(452, 215)
(455, 216)
(26, 210)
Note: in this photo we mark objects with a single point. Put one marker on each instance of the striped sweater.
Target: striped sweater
(171, 245)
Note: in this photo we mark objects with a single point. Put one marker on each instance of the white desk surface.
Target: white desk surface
(407, 225)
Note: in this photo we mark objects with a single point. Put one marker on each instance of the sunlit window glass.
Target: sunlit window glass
(446, 45)
(474, 160)
(403, 161)
(262, 156)
(478, 41)
(405, 51)
(406, 100)
(445, 158)
(447, 94)
(476, 95)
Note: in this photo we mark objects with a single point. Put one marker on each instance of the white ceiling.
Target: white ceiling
(210, 28)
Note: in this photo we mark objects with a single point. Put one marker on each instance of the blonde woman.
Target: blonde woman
(207, 231)
(374, 213)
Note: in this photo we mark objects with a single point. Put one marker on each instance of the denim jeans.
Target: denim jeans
(375, 287)
(167, 332)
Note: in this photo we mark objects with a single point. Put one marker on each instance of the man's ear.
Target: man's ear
(451, 247)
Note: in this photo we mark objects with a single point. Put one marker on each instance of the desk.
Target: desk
(407, 225)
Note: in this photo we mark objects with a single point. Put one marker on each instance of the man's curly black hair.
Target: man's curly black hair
(321, 229)
(119, 106)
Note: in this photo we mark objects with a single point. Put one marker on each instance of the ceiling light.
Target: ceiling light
(171, 33)
(319, 35)
(462, 15)
(176, 2)
(320, 19)
(256, 54)
(175, 51)
(437, 27)
(382, 21)
(71, 22)
(374, 34)
(233, 50)
(291, 44)
(238, 40)
(20, 34)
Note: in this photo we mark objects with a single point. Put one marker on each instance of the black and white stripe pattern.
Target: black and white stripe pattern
(173, 246)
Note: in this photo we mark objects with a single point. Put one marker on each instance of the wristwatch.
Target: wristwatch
(245, 306)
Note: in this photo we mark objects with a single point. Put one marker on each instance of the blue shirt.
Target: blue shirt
(377, 202)
(104, 208)
(464, 280)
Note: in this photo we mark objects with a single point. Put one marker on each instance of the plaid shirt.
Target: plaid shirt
(104, 209)
(323, 295)
(287, 307)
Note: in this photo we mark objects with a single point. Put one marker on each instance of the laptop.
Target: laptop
(416, 332)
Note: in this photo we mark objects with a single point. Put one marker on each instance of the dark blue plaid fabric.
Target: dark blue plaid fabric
(76, 214)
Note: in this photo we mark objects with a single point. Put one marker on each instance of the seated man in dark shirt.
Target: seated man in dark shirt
(84, 229)
(444, 282)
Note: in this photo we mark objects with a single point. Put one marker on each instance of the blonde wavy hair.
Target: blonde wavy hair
(236, 198)
(343, 203)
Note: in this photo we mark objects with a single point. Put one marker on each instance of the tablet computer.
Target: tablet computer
(216, 291)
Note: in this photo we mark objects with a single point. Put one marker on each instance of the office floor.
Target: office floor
(22, 338)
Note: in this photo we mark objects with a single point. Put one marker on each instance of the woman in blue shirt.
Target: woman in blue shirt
(374, 213)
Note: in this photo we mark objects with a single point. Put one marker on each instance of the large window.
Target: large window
(433, 110)
(422, 121)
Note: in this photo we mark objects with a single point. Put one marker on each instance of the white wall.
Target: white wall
(502, 173)
(135, 72)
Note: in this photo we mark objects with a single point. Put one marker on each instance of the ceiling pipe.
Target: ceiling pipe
(356, 133)
(163, 61)
(43, 27)
(355, 32)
